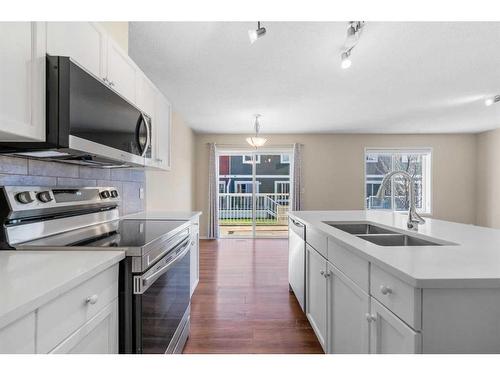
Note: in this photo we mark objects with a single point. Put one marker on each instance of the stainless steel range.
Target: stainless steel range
(154, 277)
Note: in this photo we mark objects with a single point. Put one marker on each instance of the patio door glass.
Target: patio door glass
(254, 193)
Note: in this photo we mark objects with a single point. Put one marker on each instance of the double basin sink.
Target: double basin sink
(382, 236)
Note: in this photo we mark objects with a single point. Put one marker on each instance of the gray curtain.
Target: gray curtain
(297, 177)
(213, 187)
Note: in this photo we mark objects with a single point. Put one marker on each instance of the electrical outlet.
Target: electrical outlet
(141, 193)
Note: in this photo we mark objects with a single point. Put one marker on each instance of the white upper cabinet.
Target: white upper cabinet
(121, 71)
(146, 94)
(22, 81)
(162, 133)
(84, 42)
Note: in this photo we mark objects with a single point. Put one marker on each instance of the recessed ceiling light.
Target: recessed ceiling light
(253, 35)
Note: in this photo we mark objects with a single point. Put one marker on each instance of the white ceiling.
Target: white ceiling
(405, 77)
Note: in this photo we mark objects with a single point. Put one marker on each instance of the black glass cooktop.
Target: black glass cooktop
(119, 233)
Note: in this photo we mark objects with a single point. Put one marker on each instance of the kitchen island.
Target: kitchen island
(438, 294)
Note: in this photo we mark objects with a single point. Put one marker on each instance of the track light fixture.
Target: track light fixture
(345, 60)
(256, 141)
(253, 35)
(354, 29)
(492, 100)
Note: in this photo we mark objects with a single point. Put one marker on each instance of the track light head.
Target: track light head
(253, 35)
(491, 101)
(345, 61)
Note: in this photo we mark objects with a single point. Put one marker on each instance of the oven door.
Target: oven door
(162, 302)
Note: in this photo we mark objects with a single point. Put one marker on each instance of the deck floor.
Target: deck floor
(242, 303)
(267, 231)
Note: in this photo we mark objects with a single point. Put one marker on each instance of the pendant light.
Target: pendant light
(256, 141)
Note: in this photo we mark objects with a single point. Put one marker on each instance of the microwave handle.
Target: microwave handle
(142, 148)
(148, 135)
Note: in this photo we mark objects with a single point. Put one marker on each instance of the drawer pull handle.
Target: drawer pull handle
(370, 317)
(385, 290)
(92, 300)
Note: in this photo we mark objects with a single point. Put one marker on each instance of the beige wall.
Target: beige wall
(488, 179)
(334, 169)
(174, 190)
(119, 32)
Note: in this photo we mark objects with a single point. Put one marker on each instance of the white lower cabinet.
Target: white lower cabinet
(348, 306)
(195, 255)
(84, 319)
(316, 294)
(19, 337)
(97, 336)
(389, 334)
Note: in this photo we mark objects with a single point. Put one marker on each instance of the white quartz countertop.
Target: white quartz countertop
(474, 262)
(164, 215)
(29, 279)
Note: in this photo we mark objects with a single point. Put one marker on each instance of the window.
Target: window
(282, 187)
(222, 187)
(247, 159)
(245, 186)
(380, 162)
(285, 158)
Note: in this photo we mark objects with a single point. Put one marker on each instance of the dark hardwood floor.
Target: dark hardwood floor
(242, 303)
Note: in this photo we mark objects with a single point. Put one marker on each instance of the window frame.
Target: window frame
(223, 183)
(283, 161)
(244, 182)
(257, 159)
(427, 186)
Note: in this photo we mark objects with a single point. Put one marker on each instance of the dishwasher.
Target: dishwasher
(296, 260)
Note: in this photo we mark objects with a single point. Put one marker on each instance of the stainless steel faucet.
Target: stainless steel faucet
(413, 217)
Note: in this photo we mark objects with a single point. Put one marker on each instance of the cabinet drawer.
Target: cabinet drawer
(351, 265)
(65, 314)
(402, 299)
(19, 337)
(317, 240)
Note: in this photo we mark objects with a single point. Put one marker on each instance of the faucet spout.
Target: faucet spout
(413, 217)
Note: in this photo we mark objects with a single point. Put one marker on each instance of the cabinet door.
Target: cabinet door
(316, 294)
(145, 94)
(84, 42)
(121, 71)
(19, 337)
(348, 326)
(97, 336)
(389, 334)
(194, 262)
(162, 133)
(22, 81)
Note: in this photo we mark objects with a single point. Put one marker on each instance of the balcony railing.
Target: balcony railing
(270, 208)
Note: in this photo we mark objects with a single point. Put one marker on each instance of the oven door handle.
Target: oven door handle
(143, 282)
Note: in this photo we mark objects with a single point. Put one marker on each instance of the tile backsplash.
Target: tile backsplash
(19, 171)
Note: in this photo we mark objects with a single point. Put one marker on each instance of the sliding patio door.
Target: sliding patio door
(254, 193)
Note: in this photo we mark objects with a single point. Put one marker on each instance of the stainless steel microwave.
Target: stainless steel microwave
(87, 122)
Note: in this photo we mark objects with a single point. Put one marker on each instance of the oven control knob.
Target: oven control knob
(44, 196)
(105, 194)
(24, 197)
(114, 194)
